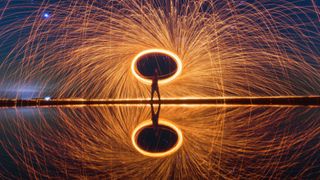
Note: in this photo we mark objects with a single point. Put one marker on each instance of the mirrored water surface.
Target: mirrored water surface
(218, 142)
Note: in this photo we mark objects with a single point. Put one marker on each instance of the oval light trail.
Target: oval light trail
(157, 154)
(158, 51)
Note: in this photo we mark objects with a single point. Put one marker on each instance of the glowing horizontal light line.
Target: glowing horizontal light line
(263, 100)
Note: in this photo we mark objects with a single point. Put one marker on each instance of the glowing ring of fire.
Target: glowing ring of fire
(157, 154)
(161, 51)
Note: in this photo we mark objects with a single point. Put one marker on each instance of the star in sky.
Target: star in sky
(46, 15)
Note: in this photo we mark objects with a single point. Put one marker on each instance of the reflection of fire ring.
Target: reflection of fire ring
(148, 124)
(145, 80)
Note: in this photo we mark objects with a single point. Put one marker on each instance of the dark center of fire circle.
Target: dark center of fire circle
(165, 65)
(149, 141)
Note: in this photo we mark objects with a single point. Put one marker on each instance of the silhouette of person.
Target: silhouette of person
(154, 85)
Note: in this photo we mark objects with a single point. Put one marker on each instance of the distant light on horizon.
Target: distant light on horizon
(47, 98)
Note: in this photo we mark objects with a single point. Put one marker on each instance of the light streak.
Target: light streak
(161, 51)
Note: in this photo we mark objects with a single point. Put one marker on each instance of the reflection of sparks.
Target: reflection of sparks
(161, 51)
(221, 142)
(158, 154)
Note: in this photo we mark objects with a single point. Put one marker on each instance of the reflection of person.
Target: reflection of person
(154, 85)
(155, 117)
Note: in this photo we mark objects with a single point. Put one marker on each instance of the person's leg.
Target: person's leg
(152, 92)
(158, 92)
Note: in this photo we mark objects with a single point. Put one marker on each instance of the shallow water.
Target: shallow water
(218, 142)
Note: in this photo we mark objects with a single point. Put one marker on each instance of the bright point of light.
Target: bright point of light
(46, 15)
(157, 154)
(47, 98)
(160, 51)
